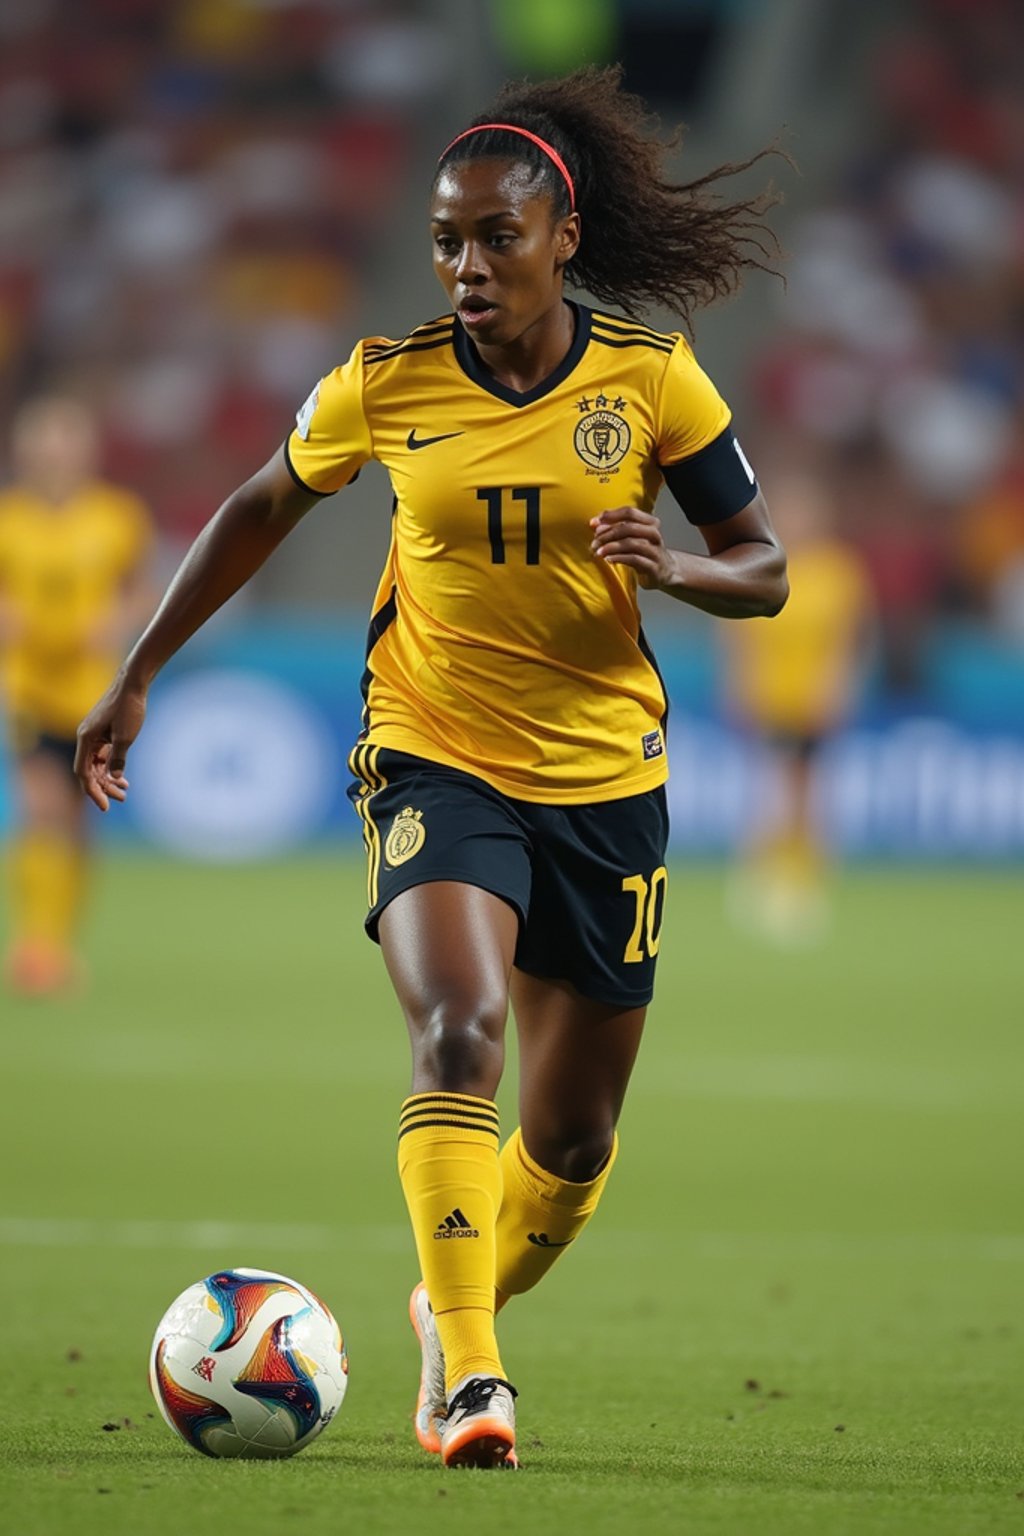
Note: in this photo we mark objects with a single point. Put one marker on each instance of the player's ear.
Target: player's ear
(567, 240)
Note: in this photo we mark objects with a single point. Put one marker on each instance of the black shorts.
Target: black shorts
(588, 881)
(29, 739)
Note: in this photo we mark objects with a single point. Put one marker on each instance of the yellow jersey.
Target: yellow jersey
(498, 643)
(62, 569)
(796, 673)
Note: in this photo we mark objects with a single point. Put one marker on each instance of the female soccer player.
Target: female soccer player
(73, 589)
(792, 685)
(510, 772)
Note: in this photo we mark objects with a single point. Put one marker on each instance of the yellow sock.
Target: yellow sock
(47, 886)
(540, 1216)
(448, 1165)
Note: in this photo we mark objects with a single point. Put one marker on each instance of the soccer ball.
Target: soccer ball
(248, 1363)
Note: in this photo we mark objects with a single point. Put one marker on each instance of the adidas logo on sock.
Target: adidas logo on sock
(455, 1225)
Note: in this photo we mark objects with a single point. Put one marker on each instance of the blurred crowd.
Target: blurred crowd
(899, 373)
(192, 193)
(188, 192)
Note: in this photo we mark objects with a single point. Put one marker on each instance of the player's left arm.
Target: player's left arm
(742, 576)
(743, 573)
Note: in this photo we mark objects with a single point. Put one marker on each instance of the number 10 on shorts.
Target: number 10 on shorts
(649, 896)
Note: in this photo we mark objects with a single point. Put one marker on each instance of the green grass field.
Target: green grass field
(799, 1309)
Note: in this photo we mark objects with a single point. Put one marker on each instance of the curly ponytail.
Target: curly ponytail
(645, 240)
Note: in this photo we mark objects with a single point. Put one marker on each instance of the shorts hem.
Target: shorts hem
(434, 877)
(611, 1000)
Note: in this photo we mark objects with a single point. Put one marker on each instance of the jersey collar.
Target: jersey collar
(468, 360)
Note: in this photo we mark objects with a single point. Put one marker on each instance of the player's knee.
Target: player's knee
(459, 1048)
(577, 1156)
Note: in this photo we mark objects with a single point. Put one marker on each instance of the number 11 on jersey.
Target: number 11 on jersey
(494, 496)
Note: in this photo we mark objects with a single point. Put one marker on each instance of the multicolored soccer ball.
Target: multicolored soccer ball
(248, 1363)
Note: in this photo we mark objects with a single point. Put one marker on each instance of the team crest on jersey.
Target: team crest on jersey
(602, 435)
(304, 419)
(406, 838)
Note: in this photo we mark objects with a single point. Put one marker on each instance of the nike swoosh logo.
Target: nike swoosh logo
(541, 1240)
(414, 442)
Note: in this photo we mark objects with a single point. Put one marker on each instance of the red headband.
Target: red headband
(551, 153)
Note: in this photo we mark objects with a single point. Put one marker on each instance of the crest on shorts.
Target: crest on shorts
(406, 838)
(602, 436)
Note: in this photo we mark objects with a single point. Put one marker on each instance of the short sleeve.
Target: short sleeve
(331, 440)
(691, 412)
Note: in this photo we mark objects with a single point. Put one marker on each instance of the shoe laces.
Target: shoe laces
(477, 1394)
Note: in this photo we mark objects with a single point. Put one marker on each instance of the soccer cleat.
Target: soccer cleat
(36, 969)
(432, 1402)
(480, 1427)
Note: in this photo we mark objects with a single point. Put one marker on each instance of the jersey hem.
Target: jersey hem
(651, 778)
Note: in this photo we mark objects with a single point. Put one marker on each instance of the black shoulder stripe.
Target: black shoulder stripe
(624, 335)
(428, 332)
(410, 346)
(633, 341)
(434, 334)
(432, 325)
(631, 327)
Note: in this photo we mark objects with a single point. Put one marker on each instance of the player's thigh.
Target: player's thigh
(448, 882)
(448, 948)
(425, 823)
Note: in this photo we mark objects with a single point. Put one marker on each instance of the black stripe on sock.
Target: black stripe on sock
(451, 1112)
(450, 1103)
(460, 1125)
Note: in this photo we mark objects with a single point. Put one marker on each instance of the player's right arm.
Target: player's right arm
(231, 548)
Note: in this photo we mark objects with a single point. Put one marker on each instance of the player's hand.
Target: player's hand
(104, 737)
(627, 536)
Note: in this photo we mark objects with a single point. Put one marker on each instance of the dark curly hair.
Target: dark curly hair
(645, 240)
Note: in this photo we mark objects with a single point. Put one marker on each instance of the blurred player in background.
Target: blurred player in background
(73, 589)
(510, 775)
(792, 684)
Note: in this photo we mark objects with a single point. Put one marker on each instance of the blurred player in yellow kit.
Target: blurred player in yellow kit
(73, 557)
(794, 682)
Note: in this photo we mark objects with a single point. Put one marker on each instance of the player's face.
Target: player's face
(498, 250)
(55, 443)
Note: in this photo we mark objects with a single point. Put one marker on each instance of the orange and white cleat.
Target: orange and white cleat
(432, 1402)
(36, 969)
(479, 1429)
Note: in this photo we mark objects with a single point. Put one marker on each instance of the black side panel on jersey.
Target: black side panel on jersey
(714, 483)
(652, 660)
(382, 620)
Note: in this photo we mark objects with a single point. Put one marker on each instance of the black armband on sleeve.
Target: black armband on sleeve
(714, 483)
